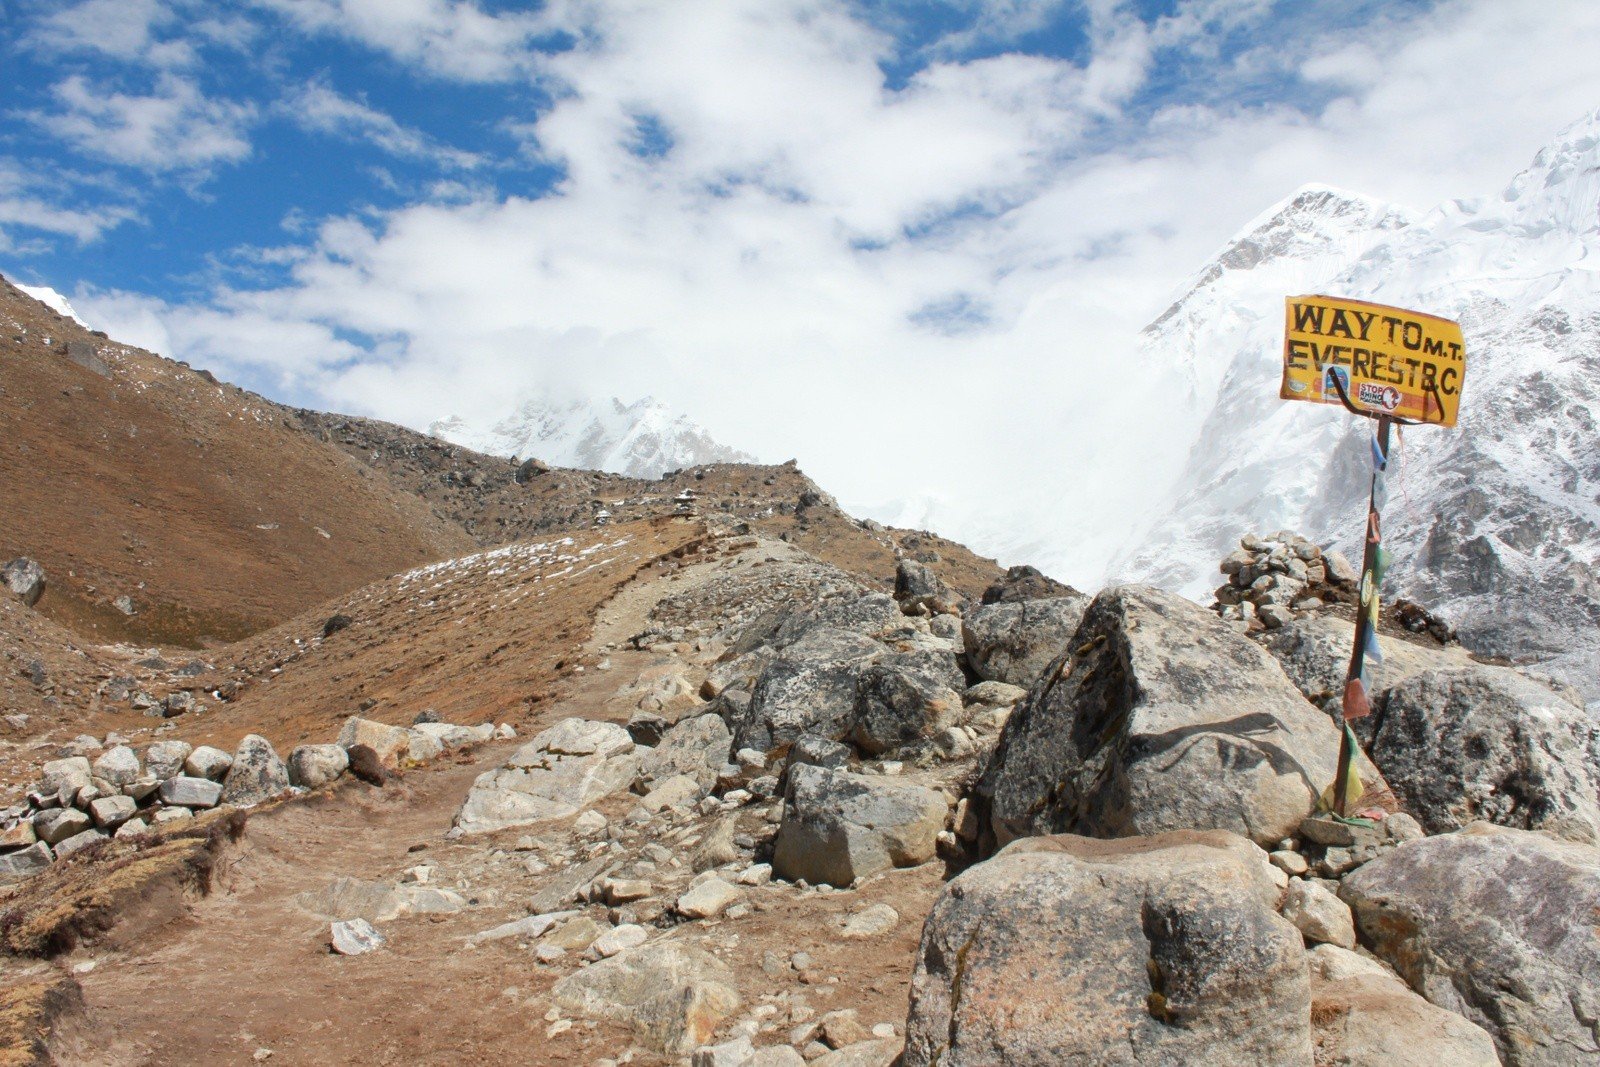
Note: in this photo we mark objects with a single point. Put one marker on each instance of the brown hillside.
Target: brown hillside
(496, 504)
(126, 474)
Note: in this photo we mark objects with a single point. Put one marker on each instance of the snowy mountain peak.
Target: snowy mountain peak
(53, 300)
(1562, 187)
(1496, 522)
(642, 439)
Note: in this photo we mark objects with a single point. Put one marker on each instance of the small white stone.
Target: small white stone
(353, 937)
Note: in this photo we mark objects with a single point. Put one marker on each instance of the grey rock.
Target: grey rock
(15, 866)
(187, 792)
(109, 813)
(131, 828)
(80, 840)
(868, 615)
(897, 705)
(526, 929)
(444, 734)
(1160, 718)
(1025, 583)
(391, 744)
(810, 749)
(838, 827)
(1497, 925)
(875, 1053)
(708, 898)
(1487, 743)
(554, 775)
(71, 773)
(993, 694)
(1314, 652)
(314, 766)
(646, 728)
(1363, 1016)
(874, 920)
(1014, 641)
(1162, 949)
(695, 747)
(58, 824)
(25, 579)
(164, 759)
(810, 688)
(118, 765)
(1319, 915)
(207, 762)
(257, 774)
(672, 995)
(917, 586)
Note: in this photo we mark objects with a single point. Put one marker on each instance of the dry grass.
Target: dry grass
(29, 1009)
(80, 899)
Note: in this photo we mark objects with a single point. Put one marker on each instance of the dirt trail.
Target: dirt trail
(249, 967)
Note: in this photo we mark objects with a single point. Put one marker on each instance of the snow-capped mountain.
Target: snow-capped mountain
(54, 301)
(1496, 522)
(641, 439)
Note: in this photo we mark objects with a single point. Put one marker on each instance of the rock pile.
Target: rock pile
(77, 803)
(1271, 579)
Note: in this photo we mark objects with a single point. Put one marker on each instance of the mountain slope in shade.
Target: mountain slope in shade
(1496, 522)
(642, 439)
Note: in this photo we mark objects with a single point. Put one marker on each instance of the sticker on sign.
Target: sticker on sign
(1389, 360)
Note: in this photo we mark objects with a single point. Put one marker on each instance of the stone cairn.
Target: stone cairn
(1273, 579)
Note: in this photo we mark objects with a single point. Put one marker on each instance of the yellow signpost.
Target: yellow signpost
(1388, 361)
(1393, 366)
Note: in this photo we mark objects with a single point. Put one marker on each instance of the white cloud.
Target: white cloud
(30, 202)
(448, 38)
(322, 109)
(174, 128)
(164, 34)
(769, 263)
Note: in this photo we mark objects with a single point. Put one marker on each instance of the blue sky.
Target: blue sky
(824, 229)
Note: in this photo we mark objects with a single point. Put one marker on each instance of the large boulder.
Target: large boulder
(25, 579)
(696, 747)
(838, 827)
(558, 772)
(118, 765)
(314, 766)
(1314, 651)
(391, 743)
(65, 775)
(866, 614)
(1160, 718)
(1497, 925)
(1069, 950)
(1477, 742)
(1364, 1016)
(809, 689)
(898, 703)
(672, 995)
(256, 773)
(1025, 583)
(165, 759)
(1014, 641)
